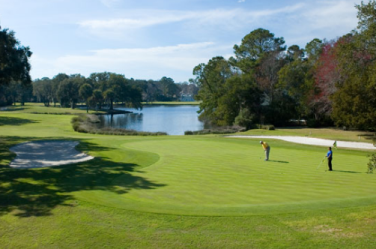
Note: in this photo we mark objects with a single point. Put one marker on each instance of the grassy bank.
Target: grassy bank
(39, 108)
(182, 192)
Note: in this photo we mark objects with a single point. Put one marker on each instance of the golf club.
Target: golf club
(321, 162)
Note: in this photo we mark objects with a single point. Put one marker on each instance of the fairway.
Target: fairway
(222, 176)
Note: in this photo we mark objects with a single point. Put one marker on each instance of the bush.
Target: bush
(372, 163)
(267, 127)
(245, 119)
(217, 130)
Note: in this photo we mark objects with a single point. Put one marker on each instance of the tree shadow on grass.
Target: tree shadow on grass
(347, 171)
(12, 109)
(276, 161)
(36, 192)
(15, 121)
(368, 136)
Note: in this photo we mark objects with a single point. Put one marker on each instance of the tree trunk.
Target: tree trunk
(111, 104)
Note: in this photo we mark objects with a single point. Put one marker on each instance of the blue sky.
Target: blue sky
(149, 39)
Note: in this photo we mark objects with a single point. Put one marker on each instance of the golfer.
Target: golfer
(266, 148)
(329, 155)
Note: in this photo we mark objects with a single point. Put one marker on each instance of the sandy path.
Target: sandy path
(46, 154)
(315, 141)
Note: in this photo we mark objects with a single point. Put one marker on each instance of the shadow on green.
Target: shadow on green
(15, 121)
(36, 192)
(276, 161)
(13, 109)
(368, 136)
(347, 171)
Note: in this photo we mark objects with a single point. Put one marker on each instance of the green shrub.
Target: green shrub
(267, 127)
(217, 130)
(245, 119)
(372, 163)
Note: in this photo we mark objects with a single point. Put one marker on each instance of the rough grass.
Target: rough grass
(216, 191)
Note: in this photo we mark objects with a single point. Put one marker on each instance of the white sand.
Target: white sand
(315, 141)
(46, 154)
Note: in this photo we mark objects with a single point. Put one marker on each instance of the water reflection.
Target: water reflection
(174, 120)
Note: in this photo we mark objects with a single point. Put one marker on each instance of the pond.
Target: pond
(173, 119)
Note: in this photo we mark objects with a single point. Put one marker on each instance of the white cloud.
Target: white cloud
(142, 63)
(128, 23)
(148, 18)
(323, 20)
(241, 1)
(109, 3)
(302, 19)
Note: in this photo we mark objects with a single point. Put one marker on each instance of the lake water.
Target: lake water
(173, 119)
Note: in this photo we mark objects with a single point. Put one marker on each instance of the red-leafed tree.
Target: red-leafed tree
(327, 75)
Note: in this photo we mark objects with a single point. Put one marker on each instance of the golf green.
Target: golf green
(223, 176)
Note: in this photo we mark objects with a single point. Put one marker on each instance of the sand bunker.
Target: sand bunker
(46, 154)
(316, 141)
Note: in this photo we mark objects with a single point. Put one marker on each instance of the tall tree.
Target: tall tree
(254, 46)
(85, 92)
(294, 84)
(313, 49)
(260, 56)
(327, 75)
(45, 90)
(169, 88)
(97, 99)
(14, 59)
(211, 78)
(68, 90)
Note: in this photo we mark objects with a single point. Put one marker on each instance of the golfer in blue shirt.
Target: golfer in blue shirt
(329, 155)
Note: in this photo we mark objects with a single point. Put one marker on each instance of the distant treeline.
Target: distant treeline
(96, 90)
(326, 83)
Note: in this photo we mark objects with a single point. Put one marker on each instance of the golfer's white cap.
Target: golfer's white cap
(260, 142)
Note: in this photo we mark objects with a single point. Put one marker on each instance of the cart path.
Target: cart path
(315, 141)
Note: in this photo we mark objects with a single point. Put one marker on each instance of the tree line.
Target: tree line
(95, 91)
(325, 83)
(101, 88)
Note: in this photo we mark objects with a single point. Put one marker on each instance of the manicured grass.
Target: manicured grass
(39, 108)
(217, 176)
(181, 192)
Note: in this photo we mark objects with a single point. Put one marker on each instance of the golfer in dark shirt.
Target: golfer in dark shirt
(329, 155)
